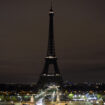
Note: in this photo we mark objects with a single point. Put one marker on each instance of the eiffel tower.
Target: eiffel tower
(50, 59)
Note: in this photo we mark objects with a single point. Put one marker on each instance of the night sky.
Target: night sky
(79, 28)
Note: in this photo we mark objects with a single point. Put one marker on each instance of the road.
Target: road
(55, 103)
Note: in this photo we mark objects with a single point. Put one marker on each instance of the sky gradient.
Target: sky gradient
(79, 29)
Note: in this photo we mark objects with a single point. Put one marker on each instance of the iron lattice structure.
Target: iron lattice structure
(50, 59)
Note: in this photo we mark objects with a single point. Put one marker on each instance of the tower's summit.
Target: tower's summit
(51, 9)
(50, 59)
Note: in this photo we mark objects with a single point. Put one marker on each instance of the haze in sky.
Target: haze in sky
(79, 29)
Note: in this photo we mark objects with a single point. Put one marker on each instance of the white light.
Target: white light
(51, 12)
(39, 102)
(51, 57)
(97, 102)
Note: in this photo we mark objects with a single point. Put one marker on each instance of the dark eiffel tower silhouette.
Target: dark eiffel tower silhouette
(50, 59)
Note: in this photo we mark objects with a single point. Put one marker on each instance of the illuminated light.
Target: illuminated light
(71, 95)
(57, 74)
(44, 74)
(51, 12)
(83, 96)
(50, 57)
(79, 95)
(97, 102)
(39, 102)
(91, 101)
(75, 95)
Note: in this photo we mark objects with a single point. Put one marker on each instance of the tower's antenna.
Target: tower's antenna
(51, 5)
